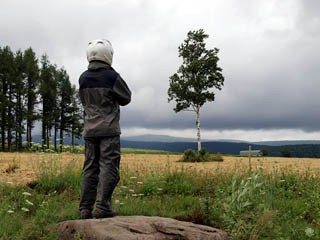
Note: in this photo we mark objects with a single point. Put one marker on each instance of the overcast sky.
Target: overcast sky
(269, 53)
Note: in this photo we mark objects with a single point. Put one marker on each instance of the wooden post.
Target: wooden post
(250, 166)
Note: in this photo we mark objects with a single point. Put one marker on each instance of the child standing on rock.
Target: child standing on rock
(102, 91)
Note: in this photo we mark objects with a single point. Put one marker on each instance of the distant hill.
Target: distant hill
(157, 138)
(167, 138)
(223, 147)
(171, 144)
(303, 150)
(171, 139)
(288, 142)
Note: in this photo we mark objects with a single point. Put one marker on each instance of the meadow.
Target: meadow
(273, 198)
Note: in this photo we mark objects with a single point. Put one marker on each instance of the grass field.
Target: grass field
(278, 199)
(28, 165)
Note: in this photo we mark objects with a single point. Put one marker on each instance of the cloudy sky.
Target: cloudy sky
(269, 52)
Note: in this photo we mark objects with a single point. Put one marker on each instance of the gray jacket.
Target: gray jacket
(102, 90)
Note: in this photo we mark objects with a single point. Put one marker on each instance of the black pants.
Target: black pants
(101, 166)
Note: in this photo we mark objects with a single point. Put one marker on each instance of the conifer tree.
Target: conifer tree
(3, 95)
(31, 72)
(6, 104)
(19, 106)
(65, 107)
(47, 92)
(28, 93)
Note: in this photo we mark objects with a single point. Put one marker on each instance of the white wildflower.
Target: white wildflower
(309, 232)
(159, 189)
(10, 211)
(28, 202)
(131, 190)
(121, 203)
(133, 177)
(139, 182)
(25, 209)
(117, 201)
(135, 195)
(26, 194)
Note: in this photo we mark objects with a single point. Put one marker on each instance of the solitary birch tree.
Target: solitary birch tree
(194, 83)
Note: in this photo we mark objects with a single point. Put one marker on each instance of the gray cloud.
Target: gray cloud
(269, 53)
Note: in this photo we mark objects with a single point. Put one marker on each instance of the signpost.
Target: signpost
(250, 168)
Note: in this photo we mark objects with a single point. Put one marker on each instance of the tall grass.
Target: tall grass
(249, 205)
(31, 211)
(146, 151)
(53, 176)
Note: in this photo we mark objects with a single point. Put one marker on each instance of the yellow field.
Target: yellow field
(21, 168)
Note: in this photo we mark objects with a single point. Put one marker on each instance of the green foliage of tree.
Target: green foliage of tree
(7, 86)
(20, 94)
(264, 152)
(285, 153)
(29, 93)
(47, 92)
(190, 155)
(31, 72)
(4, 71)
(65, 94)
(194, 83)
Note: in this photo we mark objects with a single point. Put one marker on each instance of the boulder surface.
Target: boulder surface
(137, 228)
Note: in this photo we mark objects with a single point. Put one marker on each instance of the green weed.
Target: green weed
(201, 156)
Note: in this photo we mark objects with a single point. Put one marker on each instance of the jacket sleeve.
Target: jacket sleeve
(122, 91)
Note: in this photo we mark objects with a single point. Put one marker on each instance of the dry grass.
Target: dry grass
(29, 164)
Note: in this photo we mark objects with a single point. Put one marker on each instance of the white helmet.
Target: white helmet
(100, 49)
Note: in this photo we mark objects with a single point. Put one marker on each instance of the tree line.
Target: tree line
(31, 90)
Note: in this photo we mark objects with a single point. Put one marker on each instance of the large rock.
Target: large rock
(137, 228)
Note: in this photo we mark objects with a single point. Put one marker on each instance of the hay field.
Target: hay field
(21, 168)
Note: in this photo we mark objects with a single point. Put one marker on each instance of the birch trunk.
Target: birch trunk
(198, 127)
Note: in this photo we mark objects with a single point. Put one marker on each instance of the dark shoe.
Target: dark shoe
(86, 214)
(104, 214)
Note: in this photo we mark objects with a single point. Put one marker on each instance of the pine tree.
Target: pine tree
(56, 113)
(6, 105)
(47, 92)
(32, 84)
(3, 95)
(3, 90)
(52, 105)
(21, 83)
(20, 93)
(65, 106)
